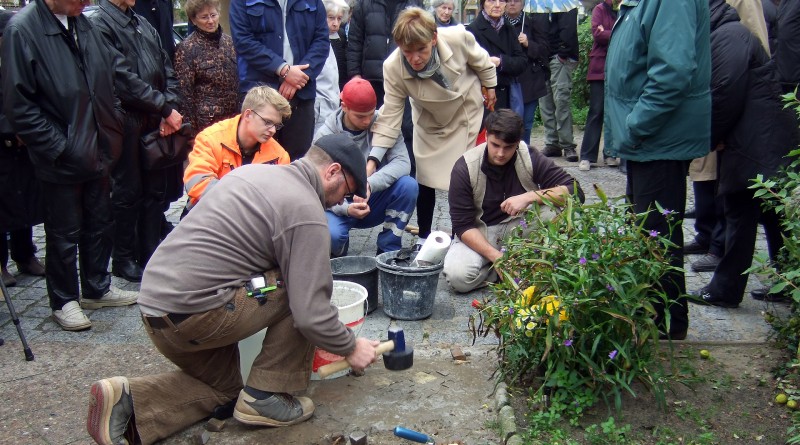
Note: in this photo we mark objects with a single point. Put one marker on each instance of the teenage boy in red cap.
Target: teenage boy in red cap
(391, 193)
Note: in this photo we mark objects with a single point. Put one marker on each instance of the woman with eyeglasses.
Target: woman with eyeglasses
(205, 64)
(498, 37)
(139, 197)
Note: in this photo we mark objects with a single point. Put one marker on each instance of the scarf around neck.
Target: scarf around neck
(431, 70)
(496, 24)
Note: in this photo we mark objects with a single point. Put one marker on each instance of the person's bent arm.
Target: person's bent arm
(475, 240)
(517, 204)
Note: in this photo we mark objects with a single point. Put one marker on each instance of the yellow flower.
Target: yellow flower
(528, 334)
(527, 297)
(551, 304)
(530, 325)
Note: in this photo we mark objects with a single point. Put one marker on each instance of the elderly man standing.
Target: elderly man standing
(198, 300)
(58, 82)
(490, 188)
(283, 44)
(658, 118)
(391, 192)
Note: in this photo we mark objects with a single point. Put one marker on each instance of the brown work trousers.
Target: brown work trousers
(204, 346)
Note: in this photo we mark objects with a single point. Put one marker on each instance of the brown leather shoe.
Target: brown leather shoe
(8, 279)
(31, 267)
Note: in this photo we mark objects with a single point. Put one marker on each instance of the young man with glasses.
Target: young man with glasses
(243, 139)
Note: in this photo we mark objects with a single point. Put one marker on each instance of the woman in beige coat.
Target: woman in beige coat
(442, 72)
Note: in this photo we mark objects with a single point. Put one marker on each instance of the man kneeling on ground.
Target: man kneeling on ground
(391, 192)
(196, 303)
(491, 186)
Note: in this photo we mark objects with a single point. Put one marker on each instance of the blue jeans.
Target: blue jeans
(527, 119)
(391, 207)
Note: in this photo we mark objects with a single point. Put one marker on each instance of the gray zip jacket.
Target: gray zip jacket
(395, 164)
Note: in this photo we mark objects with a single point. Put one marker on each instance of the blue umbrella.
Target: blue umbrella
(543, 6)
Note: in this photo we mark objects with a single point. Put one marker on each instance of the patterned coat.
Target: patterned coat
(205, 64)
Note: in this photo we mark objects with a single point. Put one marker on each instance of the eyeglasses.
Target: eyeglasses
(269, 124)
(350, 194)
(204, 18)
(495, 1)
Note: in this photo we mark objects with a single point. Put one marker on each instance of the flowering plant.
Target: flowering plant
(574, 306)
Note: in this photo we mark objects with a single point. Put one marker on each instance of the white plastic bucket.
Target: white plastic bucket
(348, 297)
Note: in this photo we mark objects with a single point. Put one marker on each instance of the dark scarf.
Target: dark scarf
(514, 21)
(213, 36)
(496, 24)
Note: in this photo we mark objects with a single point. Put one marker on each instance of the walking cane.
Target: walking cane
(15, 320)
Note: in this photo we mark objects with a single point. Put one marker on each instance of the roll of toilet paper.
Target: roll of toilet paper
(434, 249)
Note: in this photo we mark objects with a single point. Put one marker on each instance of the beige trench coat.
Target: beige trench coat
(446, 122)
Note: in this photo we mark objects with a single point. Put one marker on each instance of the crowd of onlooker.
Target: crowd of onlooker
(669, 85)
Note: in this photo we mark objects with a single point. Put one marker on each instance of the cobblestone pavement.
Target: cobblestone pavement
(45, 399)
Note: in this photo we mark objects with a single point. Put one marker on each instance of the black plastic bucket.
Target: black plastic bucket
(362, 270)
(408, 292)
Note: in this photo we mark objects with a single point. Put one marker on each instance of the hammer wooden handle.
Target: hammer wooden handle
(341, 365)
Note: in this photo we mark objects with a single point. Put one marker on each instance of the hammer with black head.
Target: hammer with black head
(397, 355)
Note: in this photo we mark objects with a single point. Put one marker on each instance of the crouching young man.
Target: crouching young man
(491, 186)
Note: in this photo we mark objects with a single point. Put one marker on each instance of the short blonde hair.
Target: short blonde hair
(259, 96)
(193, 7)
(414, 26)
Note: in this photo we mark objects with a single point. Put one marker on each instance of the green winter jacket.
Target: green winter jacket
(658, 72)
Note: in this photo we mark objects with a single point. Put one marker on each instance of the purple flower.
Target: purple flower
(516, 280)
(523, 224)
(511, 311)
(568, 342)
(621, 231)
(612, 355)
(654, 233)
(610, 288)
(503, 250)
(582, 261)
(593, 230)
(595, 256)
(666, 212)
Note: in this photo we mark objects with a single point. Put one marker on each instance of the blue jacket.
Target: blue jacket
(257, 31)
(657, 81)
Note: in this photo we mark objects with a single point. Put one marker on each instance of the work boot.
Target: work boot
(127, 269)
(113, 298)
(694, 248)
(551, 151)
(8, 278)
(279, 409)
(570, 155)
(110, 410)
(708, 263)
(71, 318)
(31, 267)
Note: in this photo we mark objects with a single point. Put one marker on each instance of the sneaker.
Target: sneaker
(708, 263)
(8, 278)
(279, 409)
(704, 297)
(71, 317)
(570, 155)
(694, 248)
(551, 151)
(763, 294)
(584, 166)
(113, 298)
(110, 410)
(31, 267)
(612, 162)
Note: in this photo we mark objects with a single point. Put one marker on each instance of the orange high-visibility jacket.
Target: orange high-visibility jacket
(216, 153)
